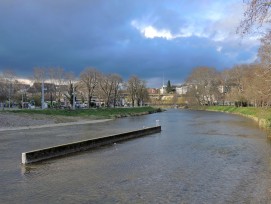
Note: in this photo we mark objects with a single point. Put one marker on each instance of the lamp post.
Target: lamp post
(23, 91)
(73, 97)
(9, 93)
(22, 99)
(42, 94)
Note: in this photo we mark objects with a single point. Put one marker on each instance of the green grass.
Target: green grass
(97, 113)
(250, 111)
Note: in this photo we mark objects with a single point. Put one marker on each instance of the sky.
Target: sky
(156, 40)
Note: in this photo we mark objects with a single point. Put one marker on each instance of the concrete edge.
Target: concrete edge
(60, 150)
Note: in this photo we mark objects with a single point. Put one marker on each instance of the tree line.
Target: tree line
(245, 84)
(59, 84)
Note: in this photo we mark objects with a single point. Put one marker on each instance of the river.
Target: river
(199, 157)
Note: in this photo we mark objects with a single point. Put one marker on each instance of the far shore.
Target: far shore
(261, 115)
(30, 119)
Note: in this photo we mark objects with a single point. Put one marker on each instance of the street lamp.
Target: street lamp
(73, 97)
(42, 95)
(9, 93)
(23, 91)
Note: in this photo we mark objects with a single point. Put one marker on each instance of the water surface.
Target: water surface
(199, 157)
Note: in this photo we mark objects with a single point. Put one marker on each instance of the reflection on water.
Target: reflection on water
(199, 157)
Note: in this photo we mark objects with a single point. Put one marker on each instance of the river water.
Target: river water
(199, 157)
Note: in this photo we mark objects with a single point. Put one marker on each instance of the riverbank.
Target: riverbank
(30, 118)
(261, 115)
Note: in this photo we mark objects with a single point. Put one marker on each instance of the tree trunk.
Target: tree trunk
(89, 100)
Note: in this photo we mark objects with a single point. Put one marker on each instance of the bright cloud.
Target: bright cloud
(151, 32)
(219, 48)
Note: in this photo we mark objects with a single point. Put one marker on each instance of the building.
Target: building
(153, 91)
(182, 89)
(163, 89)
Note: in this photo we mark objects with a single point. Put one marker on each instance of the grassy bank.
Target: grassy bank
(261, 115)
(93, 113)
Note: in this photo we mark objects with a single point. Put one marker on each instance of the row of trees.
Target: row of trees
(8, 85)
(109, 88)
(243, 84)
(248, 84)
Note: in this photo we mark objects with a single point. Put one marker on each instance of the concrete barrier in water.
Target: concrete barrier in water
(60, 150)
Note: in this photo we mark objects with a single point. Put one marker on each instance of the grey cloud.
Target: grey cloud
(98, 33)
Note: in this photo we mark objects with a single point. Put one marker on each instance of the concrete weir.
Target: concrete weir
(60, 150)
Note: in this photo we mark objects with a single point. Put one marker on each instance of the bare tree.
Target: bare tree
(237, 80)
(225, 84)
(132, 87)
(2, 89)
(89, 78)
(109, 86)
(70, 80)
(57, 77)
(262, 75)
(39, 74)
(9, 78)
(137, 91)
(22, 89)
(264, 53)
(205, 84)
(256, 14)
(142, 94)
(105, 88)
(117, 80)
(51, 87)
(39, 77)
(193, 95)
(257, 85)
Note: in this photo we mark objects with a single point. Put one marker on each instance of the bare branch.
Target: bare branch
(255, 15)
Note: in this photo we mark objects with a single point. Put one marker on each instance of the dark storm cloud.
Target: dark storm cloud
(110, 36)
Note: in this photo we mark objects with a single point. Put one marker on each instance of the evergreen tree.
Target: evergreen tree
(169, 88)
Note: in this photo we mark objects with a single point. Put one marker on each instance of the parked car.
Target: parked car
(83, 105)
(28, 105)
(80, 105)
(31, 106)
